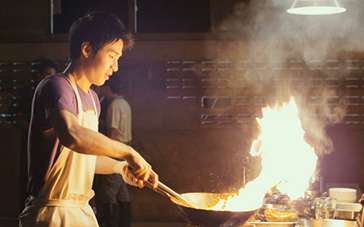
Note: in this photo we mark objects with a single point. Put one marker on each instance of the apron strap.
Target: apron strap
(72, 81)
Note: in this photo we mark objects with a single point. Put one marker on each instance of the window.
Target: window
(173, 16)
(70, 10)
(152, 16)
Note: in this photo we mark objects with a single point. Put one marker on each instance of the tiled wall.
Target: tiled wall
(228, 99)
(18, 80)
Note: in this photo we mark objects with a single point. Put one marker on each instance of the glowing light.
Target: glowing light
(287, 161)
(315, 7)
(316, 10)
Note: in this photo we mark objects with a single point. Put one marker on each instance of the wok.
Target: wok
(195, 207)
(202, 215)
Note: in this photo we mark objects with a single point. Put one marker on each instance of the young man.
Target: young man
(65, 150)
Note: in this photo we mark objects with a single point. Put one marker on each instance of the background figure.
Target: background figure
(42, 67)
(45, 67)
(112, 196)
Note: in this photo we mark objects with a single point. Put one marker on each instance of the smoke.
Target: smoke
(313, 37)
(302, 54)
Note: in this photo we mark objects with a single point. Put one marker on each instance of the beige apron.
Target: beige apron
(63, 199)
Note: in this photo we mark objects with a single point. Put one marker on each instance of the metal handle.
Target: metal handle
(171, 194)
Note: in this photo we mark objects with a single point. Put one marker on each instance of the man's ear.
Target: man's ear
(86, 49)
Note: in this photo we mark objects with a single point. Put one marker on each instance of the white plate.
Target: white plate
(273, 222)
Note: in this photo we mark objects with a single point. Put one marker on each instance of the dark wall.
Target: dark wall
(344, 166)
(30, 18)
(12, 153)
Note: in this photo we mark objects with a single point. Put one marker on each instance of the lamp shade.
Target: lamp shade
(315, 7)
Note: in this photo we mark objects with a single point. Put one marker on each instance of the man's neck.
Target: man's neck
(78, 76)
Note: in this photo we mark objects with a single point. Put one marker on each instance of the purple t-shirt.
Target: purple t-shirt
(52, 94)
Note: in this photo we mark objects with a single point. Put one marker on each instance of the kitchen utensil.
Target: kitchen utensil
(195, 207)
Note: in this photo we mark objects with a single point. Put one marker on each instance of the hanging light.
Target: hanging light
(315, 7)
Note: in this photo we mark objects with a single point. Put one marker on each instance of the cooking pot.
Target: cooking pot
(329, 223)
(272, 224)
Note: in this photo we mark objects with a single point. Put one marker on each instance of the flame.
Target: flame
(287, 161)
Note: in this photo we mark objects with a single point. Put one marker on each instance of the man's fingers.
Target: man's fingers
(142, 171)
(147, 175)
(155, 179)
(140, 183)
(135, 181)
(142, 175)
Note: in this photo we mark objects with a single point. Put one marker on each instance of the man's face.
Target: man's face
(102, 65)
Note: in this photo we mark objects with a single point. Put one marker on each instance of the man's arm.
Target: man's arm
(106, 165)
(86, 141)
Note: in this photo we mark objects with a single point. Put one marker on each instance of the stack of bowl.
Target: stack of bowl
(347, 207)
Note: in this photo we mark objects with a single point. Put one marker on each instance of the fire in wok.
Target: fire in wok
(203, 214)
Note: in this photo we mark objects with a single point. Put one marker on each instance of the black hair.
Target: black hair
(41, 64)
(98, 28)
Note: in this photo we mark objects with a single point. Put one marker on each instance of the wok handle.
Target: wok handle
(171, 194)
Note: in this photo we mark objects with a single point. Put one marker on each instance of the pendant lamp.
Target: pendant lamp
(315, 7)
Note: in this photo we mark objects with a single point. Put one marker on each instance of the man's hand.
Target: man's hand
(141, 169)
(130, 178)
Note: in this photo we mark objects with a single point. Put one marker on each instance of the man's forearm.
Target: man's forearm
(87, 141)
(106, 165)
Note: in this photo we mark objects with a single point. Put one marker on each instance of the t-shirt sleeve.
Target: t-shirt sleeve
(60, 96)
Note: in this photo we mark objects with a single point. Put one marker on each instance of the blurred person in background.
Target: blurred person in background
(42, 67)
(112, 198)
(45, 67)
